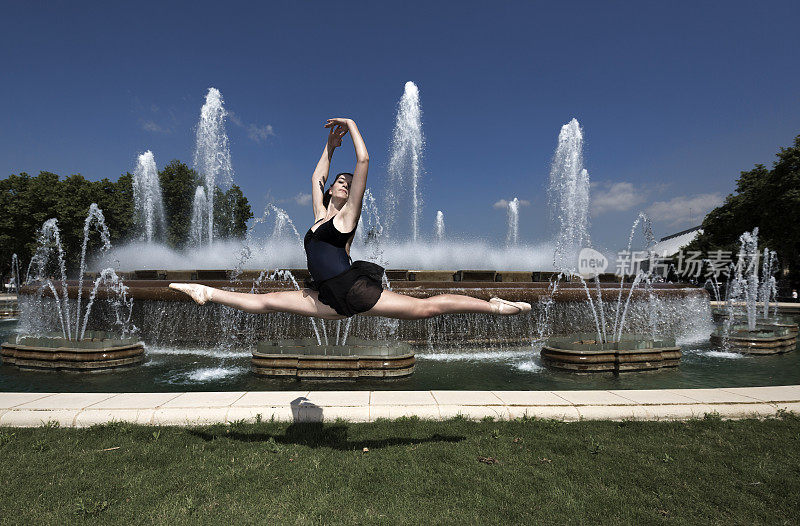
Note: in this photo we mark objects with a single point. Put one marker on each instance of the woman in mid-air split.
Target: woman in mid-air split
(341, 287)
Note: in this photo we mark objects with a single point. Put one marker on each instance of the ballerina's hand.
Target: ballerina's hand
(335, 135)
(337, 121)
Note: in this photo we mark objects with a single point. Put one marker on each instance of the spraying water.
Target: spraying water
(370, 226)
(15, 272)
(568, 196)
(405, 160)
(650, 240)
(606, 329)
(50, 252)
(512, 237)
(212, 156)
(768, 289)
(283, 224)
(95, 216)
(147, 198)
(121, 304)
(197, 228)
(745, 287)
(49, 244)
(439, 228)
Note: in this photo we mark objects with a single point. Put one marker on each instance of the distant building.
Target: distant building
(670, 245)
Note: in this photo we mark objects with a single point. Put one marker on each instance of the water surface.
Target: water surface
(509, 368)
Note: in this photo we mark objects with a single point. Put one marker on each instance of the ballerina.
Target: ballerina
(340, 287)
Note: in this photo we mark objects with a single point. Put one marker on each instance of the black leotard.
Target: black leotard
(347, 287)
(325, 251)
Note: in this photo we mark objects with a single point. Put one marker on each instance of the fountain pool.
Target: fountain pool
(196, 368)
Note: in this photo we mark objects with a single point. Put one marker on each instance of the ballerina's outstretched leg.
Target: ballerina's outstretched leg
(303, 302)
(390, 304)
(393, 305)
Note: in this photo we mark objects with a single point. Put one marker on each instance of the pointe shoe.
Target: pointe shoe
(509, 308)
(199, 293)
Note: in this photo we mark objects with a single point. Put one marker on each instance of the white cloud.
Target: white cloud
(502, 204)
(684, 209)
(152, 126)
(260, 133)
(256, 133)
(302, 199)
(615, 197)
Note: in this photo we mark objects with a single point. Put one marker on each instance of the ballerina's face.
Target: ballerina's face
(341, 188)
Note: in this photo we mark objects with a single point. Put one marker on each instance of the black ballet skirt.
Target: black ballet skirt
(348, 288)
(354, 291)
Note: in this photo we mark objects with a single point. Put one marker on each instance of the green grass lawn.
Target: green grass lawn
(407, 471)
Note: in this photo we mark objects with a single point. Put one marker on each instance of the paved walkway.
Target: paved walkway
(84, 409)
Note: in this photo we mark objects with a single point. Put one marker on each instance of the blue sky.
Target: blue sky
(675, 98)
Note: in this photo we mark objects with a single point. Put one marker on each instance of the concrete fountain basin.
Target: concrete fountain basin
(98, 350)
(306, 359)
(764, 339)
(582, 352)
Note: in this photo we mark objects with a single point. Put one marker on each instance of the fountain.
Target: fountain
(742, 329)
(320, 358)
(9, 306)
(15, 272)
(147, 199)
(212, 157)
(199, 215)
(37, 348)
(609, 349)
(631, 352)
(306, 359)
(523, 275)
(439, 227)
(512, 237)
(568, 195)
(405, 160)
(272, 260)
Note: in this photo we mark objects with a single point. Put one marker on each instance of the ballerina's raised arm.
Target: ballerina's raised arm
(322, 170)
(351, 211)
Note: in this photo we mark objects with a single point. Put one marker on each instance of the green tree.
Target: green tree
(765, 198)
(27, 202)
(116, 201)
(16, 223)
(178, 185)
(231, 213)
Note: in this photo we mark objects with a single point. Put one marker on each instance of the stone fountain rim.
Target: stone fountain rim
(557, 343)
(92, 344)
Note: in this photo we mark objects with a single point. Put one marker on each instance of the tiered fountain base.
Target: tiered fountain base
(582, 353)
(96, 352)
(9, 308)
(720, 315)
(764, 339)
(166, 315)
(305, 359)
